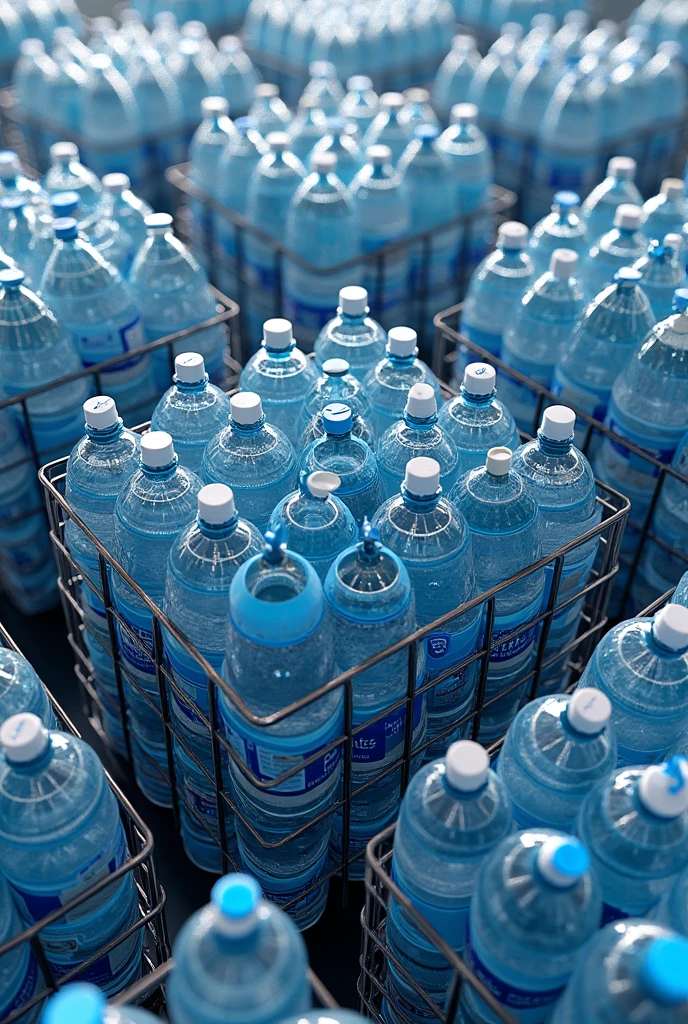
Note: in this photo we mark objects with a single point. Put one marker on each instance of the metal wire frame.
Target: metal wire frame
(141, 864)
(448, 340)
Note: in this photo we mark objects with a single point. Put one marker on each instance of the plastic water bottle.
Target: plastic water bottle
(387, 384)
(618, 248)
(387, 129)
(670, 912)
(540, 331)
(667, 212)
(360, 105)
(527, 99)
(306, 127)
(618, 188)
(601, 344)
(322, 227)
(496, 288)
(555, 750)
(22, 690)
(110, 118)
(455, 76)
(82, 1003)
(431, 537)
(268, 111)
(490, 87)
(335, 385)
(324, 86)
(222, 949)
(472, 172)
(384, 210)
(238, 75)
(253, 457)
(352, 334)
(100, 229)
(476, 420)
(13, 182)
(642, 666)
(68, 174)
(418, 109)
(662, 272)
(278, 651)
(417, 434)
(141, 543)
(341, 138)
(71, 838)
(523, 936)
(196, 77)
(563, 228)
(237, 164)
(205, 152)
(635, 825)
(16, 235)
(125, 208)
(664, 76)
(172, 292)
(192, 411)
(351, 458)
(281, 374)
(20, 977)
(159, 101)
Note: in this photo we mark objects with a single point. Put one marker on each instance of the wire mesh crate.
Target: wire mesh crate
(150, 925)
(649, 564)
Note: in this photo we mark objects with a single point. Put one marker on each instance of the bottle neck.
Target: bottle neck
(352, 321)
(662, 648)
(418, 503)
(550, 447)
(401, 361)
(105, 435)
(218, 531)
(477, 401)
(35, 767)
(378, 172)
(420, 422)
(188, 388)
(248, 428)
(338, 437)
(279, 354)
(161, 472)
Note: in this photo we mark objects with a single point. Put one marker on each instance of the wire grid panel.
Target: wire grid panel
(631, 591)
(570, 656)
(212, 229)
(151, 923)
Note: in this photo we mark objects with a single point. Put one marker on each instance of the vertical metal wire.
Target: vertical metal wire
(112, 633)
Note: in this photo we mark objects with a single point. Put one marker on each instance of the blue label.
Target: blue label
(449, 922)
(307, 314)
(610, 913)
(588, 399)
(27, 989)
(663, 452)
(628, 755)
(131, 652)
(281, 891)
(514, 647)
(98, 345)
(258, 276)
(382, 739)
(443, 649)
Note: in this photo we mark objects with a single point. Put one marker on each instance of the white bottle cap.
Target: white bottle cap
(628, 216)
(321, 484)
(63, 151)
(479, 378)
(324, 163)
(246, 408)
(464, 113)
(322, 69)
(378, 156)
(402, 341)
(229, 44)
(670, 626)
(622, 167)
(216, 504)
(422, 476)
(158, 223)
(563, 263)
(309, 103)
(421, 401)
(466, 766)
(31, 47)
(558, 422)
(663, 788)
(100, 412)
(392, 101)
(189, 367)
(23, 738)
(116, 183)
(353, 300)
(463, 41)
(669, 46)
(359, 83)
(335, 367)
(10, 164)
(512, 235)
(278, 142)
(266, 90)
(157, 449)
(589, 710)
(673, 241)
(562, 860)
(214, 106)
(236, 899)
(416, 95)
(672, 188)
(277, 333)
(337, 418)
(498, 461)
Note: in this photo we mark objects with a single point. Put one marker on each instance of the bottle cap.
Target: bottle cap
(628, 217)
(266, 91)
(157, 449)
(309, 102)
(10, 164)
(65, 227)
(670, 47)
(322, 69)
(353, 300)
(622, 167)
(464, 113)
(392, 101)
(416, 95)
(498, 461)
(566, 200)
(479, 379)
(463, 41)
(378, 156)
(335, 367)
(672, 188)
(421, 401)
(562, 860)
(628, 276)
(426, 132)
(277, 333)
(680, 303)
(324, 163)
(64, 204)
(12, 202)
(664, 969)
(31, 47)
(321, 484)
(589, 710)
(216, 504)
(229, 44)
(189, 367)
(663, 788)
(236, 899)
(11, 277)
(558, 422)
(158, 223)
(77, 1003)
(23, 738)
(512, 235)
(214, 106)
(402, 341)
(63, 152)
(337, 418)
(246, 408)
(359, 83)
(466, 766)
(100, 412)
(278, 142)
(673, 241)
(116, 183)
(422, 476)
(563, 263)
(670, 626)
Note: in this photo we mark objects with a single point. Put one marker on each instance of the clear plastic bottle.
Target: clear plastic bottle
(81, 1003)
(14, 182)
(417, 434)
(209, 141)
(418, 109)
(618, 248)
(455, 75)
(68, 174)
(526, 102)
(324, 86)
(672, 909)
(196, 77)
(128, 210)
(16, 236)
(360, 105)
(387, 384)
(599, 209)
(159, 103)
(563, 228)
(192, 411)
(476, 420)
(306, 127)
(662, 272)
(22, 690)
(237, 73)
(665, 79)
(99, 228)
(253, 457)
(341, 139)
(490, 86)
(110, 117)
(335, 385)
(667, 212)
(352, 334)
(472, 172)
(20, 976)
(635, 825)
(268, 112)
(386, 128)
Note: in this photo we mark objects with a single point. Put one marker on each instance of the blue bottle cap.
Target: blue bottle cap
(79, 1003)
(12, 277)
(664, 970)
(236, 899)
(680, 304)
(562, 860)
(65, 227)
(337, 418)
(64, 204)
(426, 132)
(567, 200)
(628, 276)
(12, 202)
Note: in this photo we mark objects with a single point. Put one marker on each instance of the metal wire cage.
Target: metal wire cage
(634, 589)
(151, 923)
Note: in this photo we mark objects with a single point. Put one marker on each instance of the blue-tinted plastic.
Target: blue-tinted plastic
(239, 159)
(410, 437)
(318, 528)
(130, 213)
(477, 423)
(454, 79)
(663, 271)
(282, 378)
(358, 339)
(192, 414)
(599, 208)
(387, 387)
(493, 295)
(83, 1003)
(663, 215)
(342, 140)
(20, 977)
(360, 105)
(305, 129)
(70, 175)
(563, 228)
(335, 385)
(387, 129)
(619, 247)
(110, 117)
(353, 461)
(22, 690)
